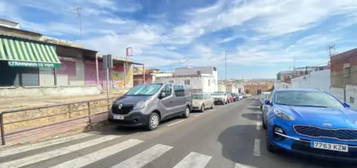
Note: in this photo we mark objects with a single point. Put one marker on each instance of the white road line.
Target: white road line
(256, 151)
(144, 157)
(258, 126)
(54, 153)
(194, 160)
(239, 165)
(98, 155)
(25, 148)
(174, 123)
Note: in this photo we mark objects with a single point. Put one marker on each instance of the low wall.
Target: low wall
(314, 80)
(33, 124)
(351, 95)
(49, 91)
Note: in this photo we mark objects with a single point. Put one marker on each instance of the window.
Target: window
(187, 82)
(352, 100)
(167, 90)
(209, 82)
(179, 91)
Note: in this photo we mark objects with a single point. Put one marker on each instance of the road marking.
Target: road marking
(174, 123)
(239, 165)
(54, 153)
(194, 160)
(25, 148)
(258, 126)
(256, 151)
(98, 155)
(144, 157)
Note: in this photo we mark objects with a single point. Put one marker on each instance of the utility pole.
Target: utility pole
(225, 64)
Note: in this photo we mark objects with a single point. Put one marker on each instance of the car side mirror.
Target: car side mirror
(346, 105)
(268, 102)
(162, 95)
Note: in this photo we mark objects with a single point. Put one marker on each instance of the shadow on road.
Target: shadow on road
(252, 116)
(108, 128)
(238, 144)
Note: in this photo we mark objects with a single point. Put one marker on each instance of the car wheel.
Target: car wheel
(270, 147)
(187, 113)
(212, 107)
(154, 121)
(264, 123)
(203, 108)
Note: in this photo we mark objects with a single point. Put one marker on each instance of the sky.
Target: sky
(258, 37)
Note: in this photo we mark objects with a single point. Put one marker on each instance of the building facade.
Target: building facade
(256, 87)
(198, 79)
(344, 77)
(37, 64)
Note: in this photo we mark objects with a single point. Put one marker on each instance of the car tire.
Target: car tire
(270, 147)
(264, 124)
(154, 121)
(203, 108)
(212, 107)
(187, 112)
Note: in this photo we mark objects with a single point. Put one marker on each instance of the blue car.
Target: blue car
(311, 122)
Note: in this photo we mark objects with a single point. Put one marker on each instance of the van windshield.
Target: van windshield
(144, 90)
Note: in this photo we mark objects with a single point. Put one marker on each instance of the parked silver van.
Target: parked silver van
(148, 104)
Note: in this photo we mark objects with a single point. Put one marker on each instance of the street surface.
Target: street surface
(229, 136)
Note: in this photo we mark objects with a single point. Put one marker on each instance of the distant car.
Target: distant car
(235, 97)
(220, 97)
(263, 96)
(311, 122)
(202, 101)
(241, 97)
(149, 104)
(230, 98)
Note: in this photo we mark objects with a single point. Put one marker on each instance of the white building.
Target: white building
(314, 80)
(198, 79)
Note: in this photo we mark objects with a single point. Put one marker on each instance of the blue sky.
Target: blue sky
(260, 37)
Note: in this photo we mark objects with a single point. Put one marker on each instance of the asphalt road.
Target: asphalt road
(228, 136)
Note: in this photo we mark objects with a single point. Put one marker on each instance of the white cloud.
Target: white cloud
(115, 21)
(141, 38)
(158, 44)
(293, 16)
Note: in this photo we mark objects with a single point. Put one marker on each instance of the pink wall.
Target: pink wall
(90, 74)
(67, 68)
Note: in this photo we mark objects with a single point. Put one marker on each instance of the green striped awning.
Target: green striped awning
(26, 53)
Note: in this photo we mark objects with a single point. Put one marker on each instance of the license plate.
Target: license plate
(118, 117)
(329, 146)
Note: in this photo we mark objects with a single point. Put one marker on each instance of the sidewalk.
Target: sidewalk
(11, 103)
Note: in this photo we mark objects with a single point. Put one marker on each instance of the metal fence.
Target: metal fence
(89, 104)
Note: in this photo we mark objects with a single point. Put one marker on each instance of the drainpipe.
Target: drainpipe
(97, 69)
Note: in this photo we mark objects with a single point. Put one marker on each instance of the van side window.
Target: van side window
(179, 91)
(168, 90)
